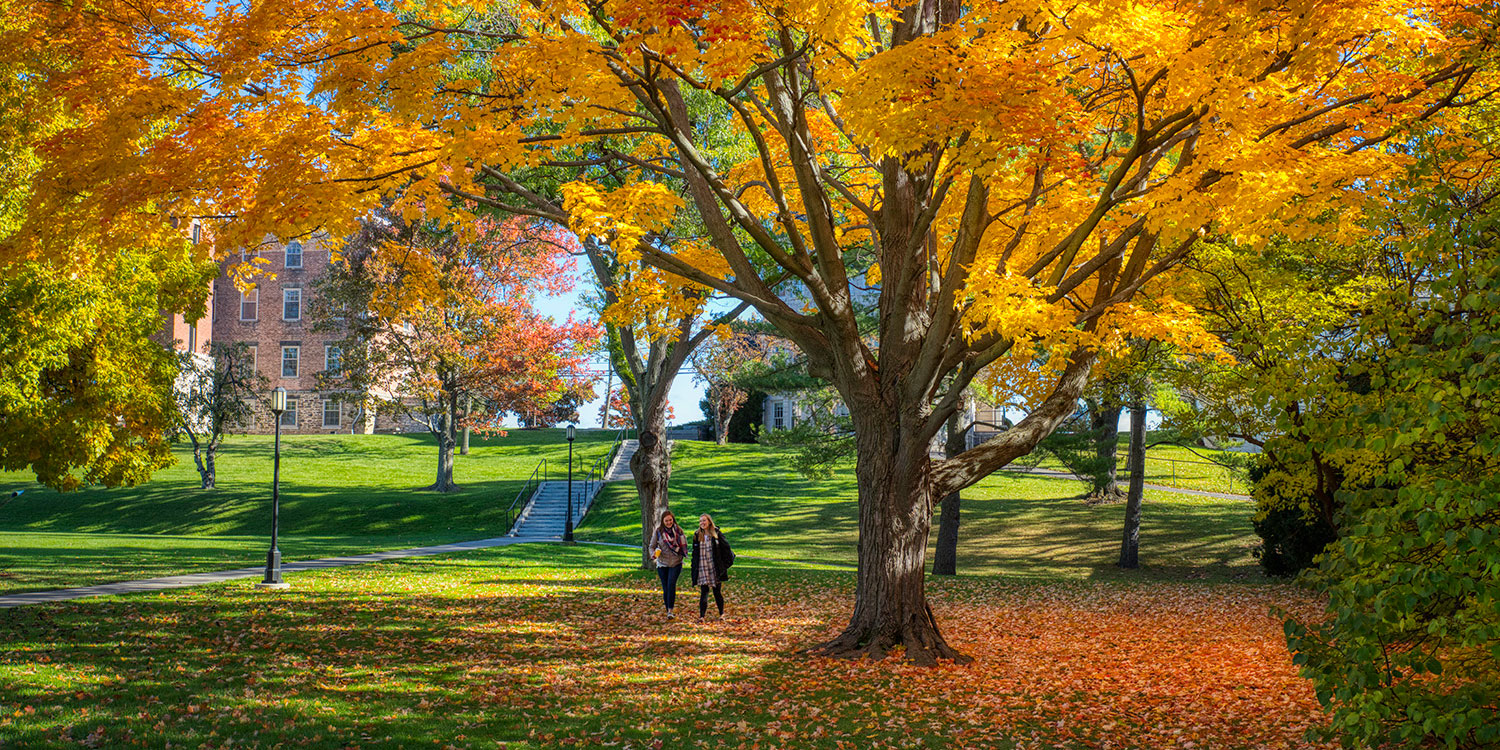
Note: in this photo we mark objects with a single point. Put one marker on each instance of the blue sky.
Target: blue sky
(683, 397)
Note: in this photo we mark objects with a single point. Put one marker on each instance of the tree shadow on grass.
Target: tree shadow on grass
(571, 658)
(173, 508)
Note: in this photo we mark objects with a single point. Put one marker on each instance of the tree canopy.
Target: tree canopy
(996, 181)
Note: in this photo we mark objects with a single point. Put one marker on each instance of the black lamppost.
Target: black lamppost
(273, 558)
(568, 522)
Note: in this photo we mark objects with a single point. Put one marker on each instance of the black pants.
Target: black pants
(668, 578)
(703, 599)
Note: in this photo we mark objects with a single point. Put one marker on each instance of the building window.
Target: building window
(248, 302)
(192, 342)
(330, 413)
(289, 417)
(197, 233)
(254, 355)
(778, 415)
(294, 254)
(289, 358)
(333, 356)
(291, 304)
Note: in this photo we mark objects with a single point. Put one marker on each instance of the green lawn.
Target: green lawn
(1175, 466)
(340, 494)
(344, 494)
(1013, 525)
(547, 645)
(543, 646)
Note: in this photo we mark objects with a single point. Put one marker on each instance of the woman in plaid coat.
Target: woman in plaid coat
(711, 560)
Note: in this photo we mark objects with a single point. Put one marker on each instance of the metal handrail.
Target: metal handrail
(510, 512)
(1229, 471)
(614, 450)
(595, 475)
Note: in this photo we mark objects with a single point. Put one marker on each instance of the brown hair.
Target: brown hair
(675, 533)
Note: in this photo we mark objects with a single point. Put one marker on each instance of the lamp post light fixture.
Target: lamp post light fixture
(568, 522)
(273, 558)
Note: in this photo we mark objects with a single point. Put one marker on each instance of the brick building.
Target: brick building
(275, 319)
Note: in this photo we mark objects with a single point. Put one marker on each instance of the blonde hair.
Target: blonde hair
(713, 528)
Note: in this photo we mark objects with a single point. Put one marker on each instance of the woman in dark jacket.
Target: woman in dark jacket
(711, 560)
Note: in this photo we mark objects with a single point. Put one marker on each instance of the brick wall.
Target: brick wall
(277, 319)
(177, 333)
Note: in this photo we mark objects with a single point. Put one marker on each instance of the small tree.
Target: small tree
(562, 409)
(444, 318)
(718, 363)
(1079, 446)
(216, 394)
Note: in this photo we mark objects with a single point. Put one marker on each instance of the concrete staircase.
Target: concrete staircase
(544, 514)
(619, 471)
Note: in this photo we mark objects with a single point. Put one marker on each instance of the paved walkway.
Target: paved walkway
(198, 579)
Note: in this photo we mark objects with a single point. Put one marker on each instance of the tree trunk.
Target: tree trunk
(895, 518)
(198, 461)
(945, 559)
(1130, 545)
(444, 481)
(206, 467)
(464, 449)
(721, 425)
(447, 437)
(652, 468)
(1105, 421)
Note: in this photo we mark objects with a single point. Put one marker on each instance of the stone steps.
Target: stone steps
(547, 510)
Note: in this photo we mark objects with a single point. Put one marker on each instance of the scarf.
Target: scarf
(672, 539)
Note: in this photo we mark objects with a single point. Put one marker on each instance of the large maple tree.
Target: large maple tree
(997, 180)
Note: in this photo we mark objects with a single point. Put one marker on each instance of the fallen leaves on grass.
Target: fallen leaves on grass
(490, 650)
